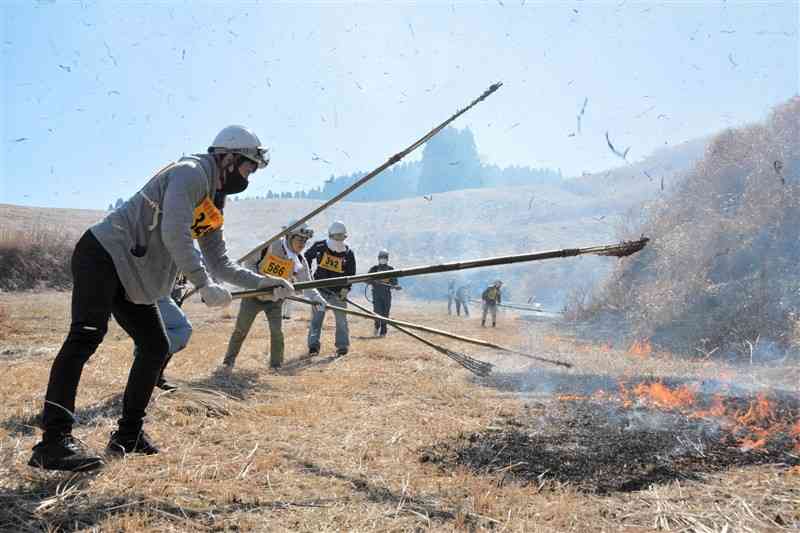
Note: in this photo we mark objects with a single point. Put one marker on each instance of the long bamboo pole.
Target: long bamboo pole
(617, 250)
(389, 162)
(470, 340)
(480, 368)
(516, 307)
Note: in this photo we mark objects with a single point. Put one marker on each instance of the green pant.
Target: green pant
(249, 308)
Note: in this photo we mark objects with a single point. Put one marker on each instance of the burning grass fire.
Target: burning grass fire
(644, 434)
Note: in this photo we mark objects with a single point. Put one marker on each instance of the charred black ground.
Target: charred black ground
(602, 446)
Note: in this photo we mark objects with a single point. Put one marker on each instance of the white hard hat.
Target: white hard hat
(300, 231)
(337, 228)
(242, 141)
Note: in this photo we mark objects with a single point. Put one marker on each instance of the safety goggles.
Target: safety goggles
(259, 156)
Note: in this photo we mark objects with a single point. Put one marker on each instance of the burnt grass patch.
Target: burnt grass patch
(603, 447)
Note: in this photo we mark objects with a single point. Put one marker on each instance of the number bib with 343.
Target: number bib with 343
(206, 218)
(332, 263)
(273, 265)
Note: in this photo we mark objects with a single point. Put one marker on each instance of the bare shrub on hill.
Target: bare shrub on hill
(35, 258)
(721, 268)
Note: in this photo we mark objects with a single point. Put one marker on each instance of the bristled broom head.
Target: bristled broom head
(623, 249)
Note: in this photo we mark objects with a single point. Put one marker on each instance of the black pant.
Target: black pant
(97, 293)
(381, 304)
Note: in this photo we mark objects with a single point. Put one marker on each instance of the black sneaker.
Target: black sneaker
(165, 385)
(313, 352)
(66, 453)
(122, 444)
(341, 351)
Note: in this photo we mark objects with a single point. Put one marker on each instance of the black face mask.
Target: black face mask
(234, 181)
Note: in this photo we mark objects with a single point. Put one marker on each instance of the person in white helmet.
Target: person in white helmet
(334, 259)
(123, 264)
(283, 258)
(382, 292)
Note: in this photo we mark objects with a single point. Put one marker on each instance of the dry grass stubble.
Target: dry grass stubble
(329, 445)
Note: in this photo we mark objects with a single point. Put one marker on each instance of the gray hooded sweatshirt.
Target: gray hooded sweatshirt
(150, 238)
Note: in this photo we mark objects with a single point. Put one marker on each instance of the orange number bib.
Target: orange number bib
(275, 266)
(332, 263)
(206, 218)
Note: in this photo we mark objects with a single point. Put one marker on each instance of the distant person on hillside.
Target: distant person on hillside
(124, 264)
(462, 297)
(333, 259)
(451, 295)
(283, 258)
(382, 292)
(491, 299)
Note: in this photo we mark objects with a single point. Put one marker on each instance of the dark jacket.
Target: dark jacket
(383, 288)
(331, 264)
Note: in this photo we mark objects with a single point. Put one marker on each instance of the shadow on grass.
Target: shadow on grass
(296, 366)
(235, 383)
(420, 507)
(202, 394)
(63, 502)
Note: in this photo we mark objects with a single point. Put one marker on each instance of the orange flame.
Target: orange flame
(757, 439)
(716, 410)
(642, 348)
(753, 427)
(662, 396)
(761, 410)
(567, 397)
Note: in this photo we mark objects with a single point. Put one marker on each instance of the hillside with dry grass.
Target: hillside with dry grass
(395, 437)
(720, 274)
(451, 226)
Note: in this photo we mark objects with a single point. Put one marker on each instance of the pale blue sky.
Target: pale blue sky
(103, 93)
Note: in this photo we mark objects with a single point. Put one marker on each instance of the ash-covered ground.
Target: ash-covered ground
(603, 446)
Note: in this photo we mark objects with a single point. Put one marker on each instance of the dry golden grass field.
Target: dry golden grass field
(339, 444)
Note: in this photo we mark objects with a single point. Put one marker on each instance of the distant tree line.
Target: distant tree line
(450, 162)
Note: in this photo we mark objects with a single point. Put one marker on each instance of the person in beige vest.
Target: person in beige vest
(284, 259)
(491, 298)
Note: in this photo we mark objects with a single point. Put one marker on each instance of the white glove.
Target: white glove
(270, 281)
(215, 295)
(279, 293)
(320, 302)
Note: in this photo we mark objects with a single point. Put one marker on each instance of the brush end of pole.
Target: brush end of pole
(626, 248)
(492, 88)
